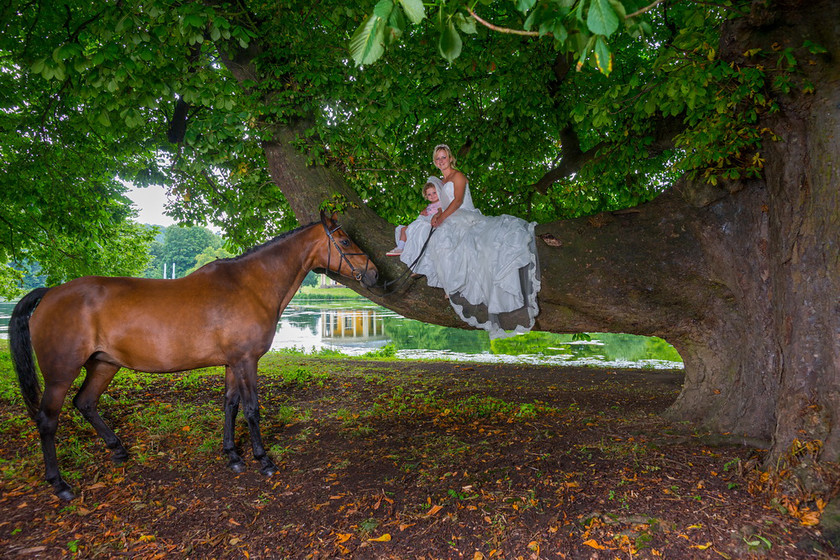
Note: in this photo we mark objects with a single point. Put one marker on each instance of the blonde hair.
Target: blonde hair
(445, 148)
(428, 186)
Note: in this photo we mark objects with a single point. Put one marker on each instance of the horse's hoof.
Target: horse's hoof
(119, 456)
(237, 466)
(267, 466)
(61, 488)
(65, 494)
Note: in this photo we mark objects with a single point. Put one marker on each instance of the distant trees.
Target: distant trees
(208, 255)
(311, 279)
(183, 250)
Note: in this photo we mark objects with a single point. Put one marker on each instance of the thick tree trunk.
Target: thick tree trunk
(803, 178)
(742, 279)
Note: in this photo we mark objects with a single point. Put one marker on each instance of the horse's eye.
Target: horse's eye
(345, 242)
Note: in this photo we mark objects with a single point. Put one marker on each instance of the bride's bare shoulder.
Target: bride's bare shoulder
(456, 177)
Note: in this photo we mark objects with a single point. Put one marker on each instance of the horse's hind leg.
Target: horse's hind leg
(47, 422)
(99, 375)
(235, 462)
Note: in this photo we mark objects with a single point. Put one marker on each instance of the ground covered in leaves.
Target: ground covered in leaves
(397, 460)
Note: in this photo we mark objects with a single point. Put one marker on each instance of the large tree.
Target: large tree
(680, 158)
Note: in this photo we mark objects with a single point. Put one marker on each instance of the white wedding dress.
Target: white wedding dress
(487, 265)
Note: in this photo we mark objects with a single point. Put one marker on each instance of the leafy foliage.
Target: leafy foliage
(143, 91)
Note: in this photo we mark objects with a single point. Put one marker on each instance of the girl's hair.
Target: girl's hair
(428, 186)
(446, 149)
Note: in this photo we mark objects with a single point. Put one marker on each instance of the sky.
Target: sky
(149, 202)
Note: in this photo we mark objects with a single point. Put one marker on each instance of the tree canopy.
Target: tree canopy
(141, 92)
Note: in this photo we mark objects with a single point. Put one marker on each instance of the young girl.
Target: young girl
(487, 265)
(429, 193)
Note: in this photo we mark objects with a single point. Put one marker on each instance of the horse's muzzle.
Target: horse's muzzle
(368, 278)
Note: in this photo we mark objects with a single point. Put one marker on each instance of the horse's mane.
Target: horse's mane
(268, 243)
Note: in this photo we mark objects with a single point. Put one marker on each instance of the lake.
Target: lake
(356, 326)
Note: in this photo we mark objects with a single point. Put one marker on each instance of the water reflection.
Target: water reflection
(358, 330)
(352, 325)
(355, 327)
(352, 331)
(5, 315)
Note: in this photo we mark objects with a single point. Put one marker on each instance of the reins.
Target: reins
(392, 286)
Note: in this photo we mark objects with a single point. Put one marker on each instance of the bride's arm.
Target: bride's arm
(459, 181)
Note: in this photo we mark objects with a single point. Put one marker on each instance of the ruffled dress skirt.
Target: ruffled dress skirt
(487, 265)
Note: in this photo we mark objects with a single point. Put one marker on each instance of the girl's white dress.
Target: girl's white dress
(487, 265)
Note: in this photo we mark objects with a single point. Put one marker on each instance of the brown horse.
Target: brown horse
(224, 313)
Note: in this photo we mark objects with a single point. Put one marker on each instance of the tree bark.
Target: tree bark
(742, 279)
(802, 178)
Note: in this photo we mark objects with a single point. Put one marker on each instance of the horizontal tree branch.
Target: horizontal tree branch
(645, 9)
(506, 30)
(571, 162)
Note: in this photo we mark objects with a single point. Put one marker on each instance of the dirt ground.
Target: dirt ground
(419, 460)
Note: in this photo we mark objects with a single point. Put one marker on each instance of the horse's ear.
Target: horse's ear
(325, 219)
(329, 221)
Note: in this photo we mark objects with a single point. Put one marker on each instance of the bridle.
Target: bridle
(388, 288)
(342, 256)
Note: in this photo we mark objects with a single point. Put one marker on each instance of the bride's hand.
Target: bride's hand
(437, 219)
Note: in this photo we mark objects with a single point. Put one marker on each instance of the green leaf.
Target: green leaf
(194, 21)
(529, 21)
(397, 22)
(584, 52)
(619, 9)
(602, 19)
(69, 50)
(414, 9)
(559, 32)
(603, 56)
(366, 45)
(579, 10)
(525, 5)
(383, 9)
(450, 43)
(465, 24)
(38, 65)
(814, 48)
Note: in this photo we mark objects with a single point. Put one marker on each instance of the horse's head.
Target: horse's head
(350, 260)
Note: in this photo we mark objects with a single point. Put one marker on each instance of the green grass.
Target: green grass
(194, 379)
(166, 418)
(317, 293)
(276, 366)
(295, 351)
(9, 391)
(287, 415)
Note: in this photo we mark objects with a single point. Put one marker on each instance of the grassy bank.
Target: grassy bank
(314, 293)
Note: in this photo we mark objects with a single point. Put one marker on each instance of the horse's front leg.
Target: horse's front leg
(235, 462)
(246, 376)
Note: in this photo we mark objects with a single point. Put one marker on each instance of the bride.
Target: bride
(487, 265)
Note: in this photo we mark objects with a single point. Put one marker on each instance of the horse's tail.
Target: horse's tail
(20, 345)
